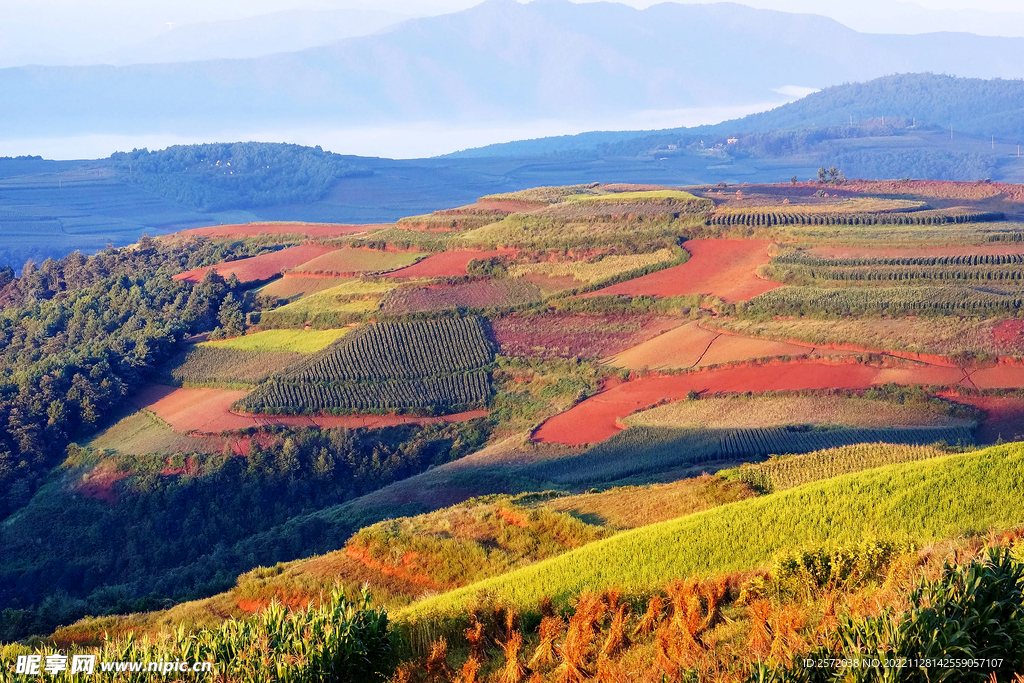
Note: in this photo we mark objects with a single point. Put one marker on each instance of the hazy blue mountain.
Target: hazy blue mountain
(974, 106)
(499, 61)
(286, 31)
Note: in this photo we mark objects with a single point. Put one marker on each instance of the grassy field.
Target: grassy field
(228, 366)
(143, 433)
(544, 232)
(781, 411)
(901, 235)
(785, 472)
(287, 289)
(294, 341)
(948, 336)
(980, 301)
(641, 196)
(349, 261)
(919, 501)
(646, 452)
(590, 272)
(630, 507)
(342, 304)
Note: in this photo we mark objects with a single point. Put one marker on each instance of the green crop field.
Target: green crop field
(334, 307)
(919, 501)
(402, 351)
(642, 449)
(1005, 270)
(437, 364)
(450, 393)
(780, 473)
(594, 271)
(900, 300)
(226, 366)
(294, 341)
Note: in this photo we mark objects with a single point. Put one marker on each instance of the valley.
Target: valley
(522, 429)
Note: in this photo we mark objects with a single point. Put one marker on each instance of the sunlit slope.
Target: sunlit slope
(939, 498)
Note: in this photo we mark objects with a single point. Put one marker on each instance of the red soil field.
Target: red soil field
(562, 335)
(691, 346)
(942, 189)
(447, 264)
(1004, 416)
(509, 205)
(595, 418)
(260, 268)
(208, 411)
(99, 483)
(834, 252)
(308, 229)
(726, 269)
(1009, 333)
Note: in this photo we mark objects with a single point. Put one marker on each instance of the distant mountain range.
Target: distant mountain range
(499, 61)
(285, 31)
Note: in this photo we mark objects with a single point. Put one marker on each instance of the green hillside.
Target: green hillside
(919, 501)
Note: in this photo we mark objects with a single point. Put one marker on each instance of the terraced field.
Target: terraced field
(387, 367)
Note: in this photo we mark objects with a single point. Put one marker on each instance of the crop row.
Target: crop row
(919, 218)
(434, 394)
(404, 350)
(778, 474)
(205, 365)
(766, 441)
(910, 274)
(894, 300)
(803, 259)
(656, 449)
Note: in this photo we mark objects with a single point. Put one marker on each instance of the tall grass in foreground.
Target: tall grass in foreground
(953, 612)
(340, 641)
(938, 498)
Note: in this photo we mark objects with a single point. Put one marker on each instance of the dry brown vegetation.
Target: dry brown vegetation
(718, 628)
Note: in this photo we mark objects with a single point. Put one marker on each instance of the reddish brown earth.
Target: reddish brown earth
(308, 229)
(263, 267)
(509, 205)
(595, 418)
(1004, 416)
(1009, 333)
(726, 269)
(447, 264)
(941, 189)
(208, 411)
(99, 483)
(692, 346)
(566, 335)
(835, 251)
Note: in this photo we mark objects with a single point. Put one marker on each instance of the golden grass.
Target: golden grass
(353, 296)
(298, 341)
(780, 411)
(629, 507)
(596, 271)
(948, 335)
(641, 196)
